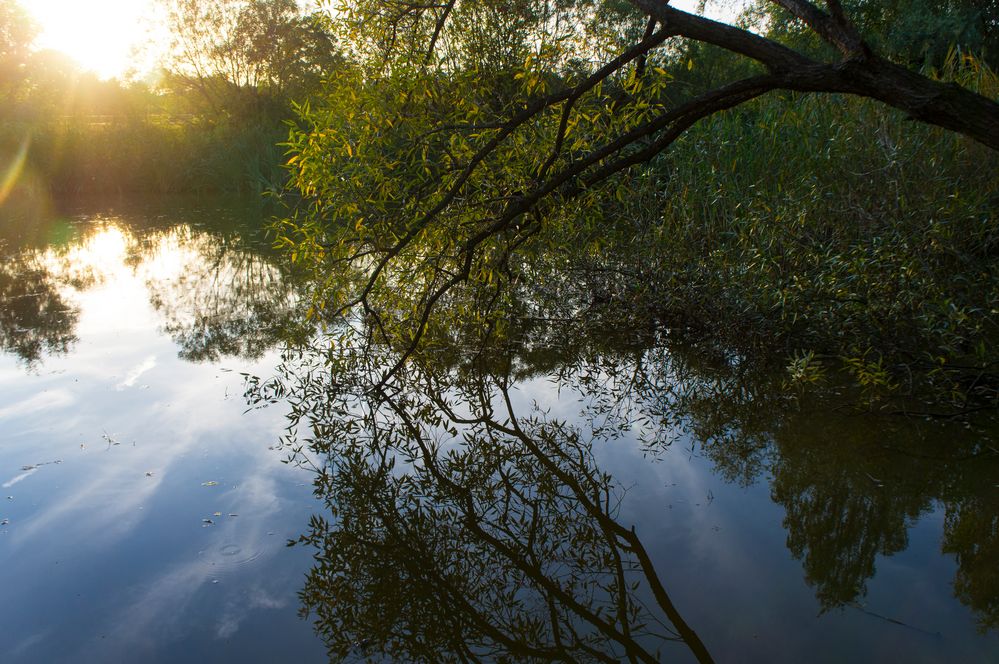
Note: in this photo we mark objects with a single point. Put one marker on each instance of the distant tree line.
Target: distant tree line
(209, 119)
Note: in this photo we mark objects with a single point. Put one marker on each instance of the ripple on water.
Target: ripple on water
(229, 558)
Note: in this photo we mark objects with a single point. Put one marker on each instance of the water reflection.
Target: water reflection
(512, 500)
(466, 515)
(462, 530)
(221, 299)
(215, 283)
(852, 484)
(35, 319)
(971, 533)
(105, 556)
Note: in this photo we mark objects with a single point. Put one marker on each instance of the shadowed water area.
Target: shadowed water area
(584, 489)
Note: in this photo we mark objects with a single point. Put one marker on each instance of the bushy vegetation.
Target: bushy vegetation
(832, 227)
(920, 33)
(828, 231)
(133, 155)
(827, 234)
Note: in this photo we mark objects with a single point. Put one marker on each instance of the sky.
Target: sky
(101, 35)
(112, 37)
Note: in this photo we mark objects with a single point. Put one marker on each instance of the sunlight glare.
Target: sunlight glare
(101, 35)
(99, 258)
(112, 38)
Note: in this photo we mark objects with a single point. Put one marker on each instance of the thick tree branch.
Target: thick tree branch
(943, 104)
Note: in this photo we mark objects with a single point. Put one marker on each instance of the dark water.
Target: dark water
(583, 494)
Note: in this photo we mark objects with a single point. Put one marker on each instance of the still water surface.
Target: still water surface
(123, 433)
(146, 508)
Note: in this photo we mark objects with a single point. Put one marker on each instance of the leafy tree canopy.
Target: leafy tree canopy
(469, 137)
(242, 56)
(916, 32)
(17, 33)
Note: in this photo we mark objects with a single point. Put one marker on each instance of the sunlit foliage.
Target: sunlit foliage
(245, 58)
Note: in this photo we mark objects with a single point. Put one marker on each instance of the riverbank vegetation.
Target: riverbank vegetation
(209, 119)
(849, 234)
(800, 188)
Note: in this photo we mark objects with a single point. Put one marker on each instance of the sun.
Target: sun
(103, 36)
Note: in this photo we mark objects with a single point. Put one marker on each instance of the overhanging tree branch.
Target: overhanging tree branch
(860, 73)
(470, 205)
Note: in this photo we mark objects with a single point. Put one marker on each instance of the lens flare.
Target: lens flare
(10, 175)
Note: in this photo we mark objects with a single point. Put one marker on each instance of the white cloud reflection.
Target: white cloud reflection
(228, 566)
(127, 501)
(136, 372)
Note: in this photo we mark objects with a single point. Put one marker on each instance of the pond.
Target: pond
(580, 493)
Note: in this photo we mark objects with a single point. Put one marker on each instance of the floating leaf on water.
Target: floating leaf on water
(211, 483)
(217, 514)
(149, 473)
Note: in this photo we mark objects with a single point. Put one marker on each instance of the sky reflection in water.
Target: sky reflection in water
(779, 534)
(105, 555)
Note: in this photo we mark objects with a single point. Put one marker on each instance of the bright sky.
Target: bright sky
(102, 35)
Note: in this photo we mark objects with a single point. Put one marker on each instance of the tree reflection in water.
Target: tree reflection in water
(228, 298)
(851, 484)
(35, 319)
(212, 279)
(971, 533)
(459, 529)
(457, 525)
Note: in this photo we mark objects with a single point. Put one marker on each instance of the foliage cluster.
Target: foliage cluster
(917, 32)
(80, 156)
(243, 60)
(820, 227)
(833, 226)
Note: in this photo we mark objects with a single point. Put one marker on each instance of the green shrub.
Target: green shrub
(833, 225)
